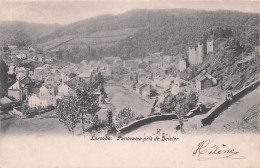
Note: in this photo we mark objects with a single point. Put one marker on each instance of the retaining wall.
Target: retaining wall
(144, 121)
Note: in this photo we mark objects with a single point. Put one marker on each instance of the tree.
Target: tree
(111, 125)
(3, 77)
(125, 116)
(181, 103)
(191, 100)
(99, 79)
(68, 112)
(80, 108)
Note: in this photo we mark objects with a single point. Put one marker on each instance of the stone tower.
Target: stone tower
(196, 54)
(193, 54)
(210, 46)
(200, 53)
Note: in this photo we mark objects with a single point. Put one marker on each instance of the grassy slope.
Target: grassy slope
(102, 38)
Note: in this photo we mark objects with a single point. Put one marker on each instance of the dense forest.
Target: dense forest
(168, 31)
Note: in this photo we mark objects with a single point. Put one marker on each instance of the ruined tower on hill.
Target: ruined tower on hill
(196, 54)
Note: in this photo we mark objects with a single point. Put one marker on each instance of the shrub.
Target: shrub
(125, 116)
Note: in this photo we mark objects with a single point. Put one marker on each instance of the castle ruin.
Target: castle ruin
(196, 54)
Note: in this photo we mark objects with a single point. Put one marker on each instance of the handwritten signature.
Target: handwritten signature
(206, 151)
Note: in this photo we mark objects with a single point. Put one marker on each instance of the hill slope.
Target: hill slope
(22, 33)
(167, 31)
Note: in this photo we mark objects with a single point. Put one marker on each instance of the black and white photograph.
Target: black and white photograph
(136, 73)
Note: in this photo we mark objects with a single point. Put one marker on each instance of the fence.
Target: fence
(214, 113)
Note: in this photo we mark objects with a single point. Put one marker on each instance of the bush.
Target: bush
(124, 117)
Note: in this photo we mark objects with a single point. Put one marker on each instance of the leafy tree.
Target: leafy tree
(125, 116)
(180, 103)
(68, 112)
(154, 92)
(3, 77)
(80, 108)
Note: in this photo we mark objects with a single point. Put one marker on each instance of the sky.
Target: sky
(68, 11)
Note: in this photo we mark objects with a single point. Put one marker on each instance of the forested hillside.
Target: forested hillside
(166, 31)
(139, 32)
(22, 33)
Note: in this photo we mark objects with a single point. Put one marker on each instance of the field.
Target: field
(98, 39)
(122, 98)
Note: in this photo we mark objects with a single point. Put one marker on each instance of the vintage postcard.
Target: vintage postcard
(120, 83)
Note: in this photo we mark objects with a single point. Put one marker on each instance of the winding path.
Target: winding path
(228, 121)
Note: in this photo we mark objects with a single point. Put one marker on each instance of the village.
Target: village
(139, 84)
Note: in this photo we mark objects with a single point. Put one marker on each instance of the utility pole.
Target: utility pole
(181, 120)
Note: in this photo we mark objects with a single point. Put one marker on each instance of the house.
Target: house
(31, 48)
(182, 65)
(49, 59)
(21, 56)
(12, 47)
(26, 84)
(162, 82)
(143, 79)
(35, 102)
(246, 61)
(16, 90)
(117, 61)
(49, 80)
(20, 70)
(40, 58)
(87, 77)
(204, 80)
(143, 89)
(233, 82)
(167, 58)
(46, 66)
(84, 62)
(44, 97)
(113, 60)
(37, 77)
(155, 57)
(166, 69)
(117, 70)
(65, 90)
(11, 70)
(41, 72)
(47, 93)
(132, 65)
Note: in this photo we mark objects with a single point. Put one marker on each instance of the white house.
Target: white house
(47, 93)
(11, 70)
(16, 90)
(35, 101)
(21, 56)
